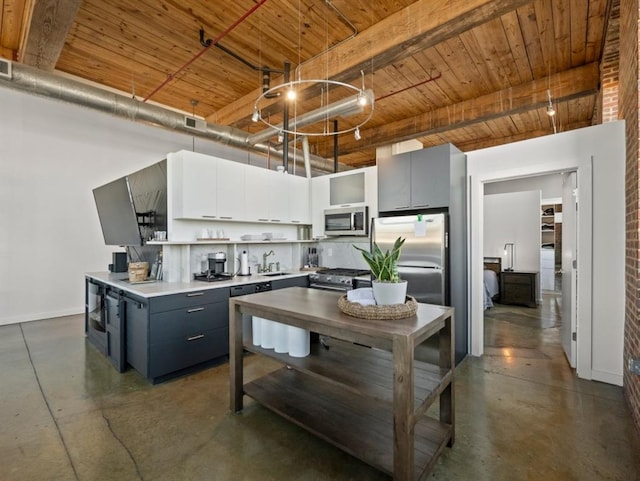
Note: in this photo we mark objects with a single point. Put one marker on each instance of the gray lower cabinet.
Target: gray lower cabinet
(171, 333)
(114, 330)
(103, 322)
(161, 336)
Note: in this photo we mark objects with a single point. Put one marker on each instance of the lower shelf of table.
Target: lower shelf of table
(359, 425)
(364, 370)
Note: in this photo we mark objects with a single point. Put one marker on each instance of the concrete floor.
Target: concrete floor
(521, 414)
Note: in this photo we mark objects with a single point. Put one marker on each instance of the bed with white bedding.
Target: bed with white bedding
(491, 280)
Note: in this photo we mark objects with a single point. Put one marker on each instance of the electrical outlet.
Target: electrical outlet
(634, 366)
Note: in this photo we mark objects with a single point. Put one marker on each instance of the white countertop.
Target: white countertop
(163, 288)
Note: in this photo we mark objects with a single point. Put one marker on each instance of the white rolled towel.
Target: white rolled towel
(363, 296)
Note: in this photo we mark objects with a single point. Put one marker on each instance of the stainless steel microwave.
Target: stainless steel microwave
(347, 221)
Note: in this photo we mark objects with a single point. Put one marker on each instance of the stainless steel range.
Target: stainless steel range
(337, 279)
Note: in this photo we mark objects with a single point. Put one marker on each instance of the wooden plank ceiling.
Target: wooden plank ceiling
(471, 72)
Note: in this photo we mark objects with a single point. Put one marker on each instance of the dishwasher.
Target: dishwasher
(244, 289)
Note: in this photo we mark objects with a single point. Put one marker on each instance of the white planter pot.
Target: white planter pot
(386, 293)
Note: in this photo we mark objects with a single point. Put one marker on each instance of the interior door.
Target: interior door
(569, 266)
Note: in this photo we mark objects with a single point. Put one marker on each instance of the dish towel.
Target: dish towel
(363, 296)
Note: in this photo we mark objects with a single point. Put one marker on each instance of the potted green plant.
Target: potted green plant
(388, 288)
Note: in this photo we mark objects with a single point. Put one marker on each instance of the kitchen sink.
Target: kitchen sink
(275, 274)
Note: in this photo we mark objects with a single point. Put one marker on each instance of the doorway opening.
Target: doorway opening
(525, 217)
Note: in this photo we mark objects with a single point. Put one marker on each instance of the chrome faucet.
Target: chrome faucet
(266, 268)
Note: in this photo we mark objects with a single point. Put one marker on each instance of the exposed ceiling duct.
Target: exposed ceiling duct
(35, 81)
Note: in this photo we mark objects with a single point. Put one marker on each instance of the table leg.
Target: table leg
(403, 442)
(235, 358)
(447, 361)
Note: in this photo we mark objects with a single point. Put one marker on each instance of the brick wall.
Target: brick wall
(608, 111)
(629, 110)
(607, 105)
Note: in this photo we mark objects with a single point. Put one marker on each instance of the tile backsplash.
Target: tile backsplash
(340, 253)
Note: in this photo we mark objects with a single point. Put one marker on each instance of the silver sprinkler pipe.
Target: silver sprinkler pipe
(35, 81)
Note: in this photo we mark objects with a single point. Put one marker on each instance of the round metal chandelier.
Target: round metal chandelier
(358, 103)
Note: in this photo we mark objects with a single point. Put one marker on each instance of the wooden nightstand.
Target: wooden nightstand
(519, 287)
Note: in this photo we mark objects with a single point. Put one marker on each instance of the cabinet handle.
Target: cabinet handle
(276, 220)
(423, 205)
(194, 338)
(296, 221)
(195, 294)
(209, 216)
(195, 309)
(225, 217)
(401, 207)
(263, 220)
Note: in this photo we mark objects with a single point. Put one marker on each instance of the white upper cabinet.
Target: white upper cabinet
(257, 195)
(278, 198)
(299, 200)
(319, 202)
(206, 187)
(193, 182)
(231, 190)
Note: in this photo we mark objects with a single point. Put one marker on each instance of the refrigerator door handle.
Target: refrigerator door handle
(446, 240)
(372, 234)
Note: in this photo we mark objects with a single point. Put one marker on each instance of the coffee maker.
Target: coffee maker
(217, 262)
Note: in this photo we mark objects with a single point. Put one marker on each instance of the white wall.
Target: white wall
(598, 154)
(515, 218)
(550, 185)
(52, 154)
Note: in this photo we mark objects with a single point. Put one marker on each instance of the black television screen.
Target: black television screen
(117, 214)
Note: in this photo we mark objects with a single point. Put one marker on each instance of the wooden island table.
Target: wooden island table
(366, 393)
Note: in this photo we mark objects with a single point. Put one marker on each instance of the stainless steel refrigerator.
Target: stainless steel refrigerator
(423, 258)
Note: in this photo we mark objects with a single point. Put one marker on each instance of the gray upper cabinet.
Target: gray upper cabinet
(420, 179)
(430, 178)
(394, 182)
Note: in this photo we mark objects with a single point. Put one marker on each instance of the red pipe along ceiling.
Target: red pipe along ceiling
(430, 79)
(170, 77)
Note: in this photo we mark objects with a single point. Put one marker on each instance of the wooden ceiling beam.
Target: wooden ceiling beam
(573, 83)
(45, 33)
(421, 25)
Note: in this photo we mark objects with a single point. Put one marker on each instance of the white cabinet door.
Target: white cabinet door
(278, 196)
(194, 186)
(257, 194)
(231, 190)
(371, 190)
(299, 200)
(319, 202)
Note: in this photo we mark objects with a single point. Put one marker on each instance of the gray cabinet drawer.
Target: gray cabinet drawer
(187, 322)
(183, 353)
(188, 299)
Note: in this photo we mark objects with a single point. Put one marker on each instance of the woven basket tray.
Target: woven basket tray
(393, 311)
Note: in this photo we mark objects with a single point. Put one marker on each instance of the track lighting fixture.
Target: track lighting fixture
(356, 133)
(256, 115)
(291, 94)
(551, 111)
(280, 137)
